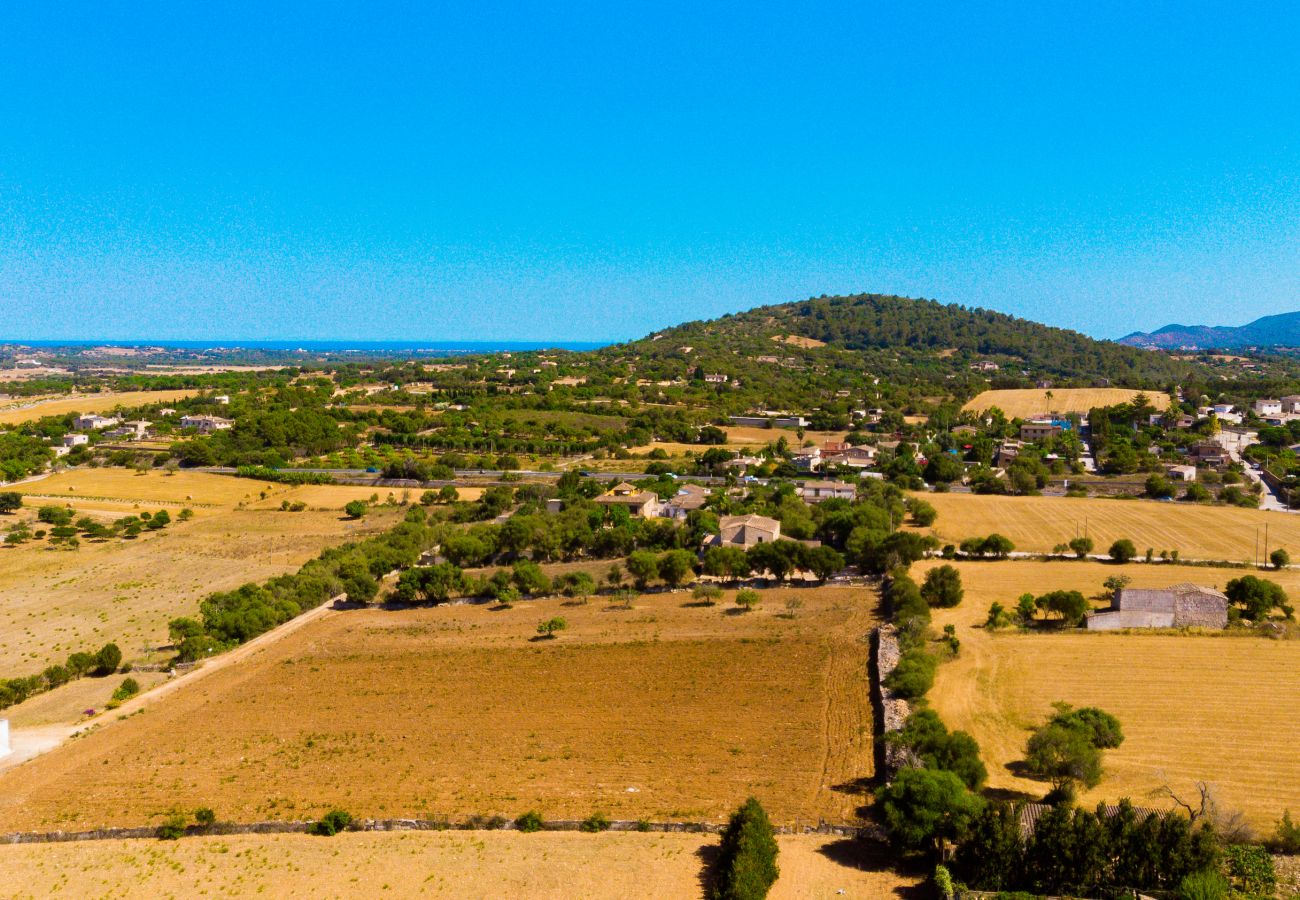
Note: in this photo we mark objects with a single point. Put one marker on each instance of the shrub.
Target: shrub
(943, 882)
(1251, 870)
(594, 823)
(914, 675)
(172, 829)
(1208, 885)
(108, 659)
(332, 823)
(706, 594)
(529, 822)
(1122, 550)
(746, 867)
(355, 509)
(942, 587)
(550, 626)
(1287, 837)
(747, 599)
(1279, 558)
(126, 690)
(205, 816)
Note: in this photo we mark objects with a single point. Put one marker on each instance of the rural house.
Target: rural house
(206, 424)
(86, 423)
(690, 497)
(817, 491)
(638, 503)
(1177, 606)
(745, 532)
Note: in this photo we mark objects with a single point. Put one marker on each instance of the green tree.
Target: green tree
(943, 468)
(10, 501)
(1064, 756)
(937, 748)
(1122, 550)
(108, 659)
(913, 677)
(726, 562)
(923, 514)
(997, 546)
(1280, 558)
(942, 587)
(1071, 606)
(924, 808)
(824, 562)
(747, 599)
(548, 628)
(1081, 546)
(643, 566)
(1258, 597)
(355, 509)
(746, 867)
(677, 567)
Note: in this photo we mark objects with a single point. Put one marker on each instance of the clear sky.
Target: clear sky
(588, 171)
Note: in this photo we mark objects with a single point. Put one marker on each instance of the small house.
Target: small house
(636, 502)
(745, 532)
(1178, 606)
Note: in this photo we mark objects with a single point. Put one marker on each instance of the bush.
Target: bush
(1122, 550)
(1251, 870)
(913, 677)
(1208, 885)
(594, 823)
(205, 816)
(747, 599)
(746, 867)
(529, 822)
(1279, 558)
(172, 829)
(332, 823)
(355, 509)
(1287, 837)
(108, 659)
(126, 690)
(706, 594)
(942, 587)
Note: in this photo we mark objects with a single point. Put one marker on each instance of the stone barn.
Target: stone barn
(1177, 606)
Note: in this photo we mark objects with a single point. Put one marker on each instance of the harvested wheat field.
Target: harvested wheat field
(1022, 403)
(667, 710)
(1037, 524)
(1194, 707)
(55, 602)
(435, 864)
(18, 411)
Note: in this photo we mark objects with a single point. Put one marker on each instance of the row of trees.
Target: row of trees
(352, 570)
(103, 662)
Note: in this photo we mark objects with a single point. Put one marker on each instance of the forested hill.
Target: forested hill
(898, 337)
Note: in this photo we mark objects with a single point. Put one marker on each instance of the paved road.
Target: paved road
(462, 474)
(1267, 498)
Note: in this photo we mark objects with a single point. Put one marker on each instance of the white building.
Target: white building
(1265, 407)
(75, 440)
(86, 423)
(206, 424)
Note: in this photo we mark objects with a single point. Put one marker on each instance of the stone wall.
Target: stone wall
(892, 710)
(475, 824)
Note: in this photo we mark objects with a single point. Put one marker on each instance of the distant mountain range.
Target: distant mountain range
(1282, 330)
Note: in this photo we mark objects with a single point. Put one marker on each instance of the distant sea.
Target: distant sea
(337, 346)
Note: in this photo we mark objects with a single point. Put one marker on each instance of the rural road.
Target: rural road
(28, 743)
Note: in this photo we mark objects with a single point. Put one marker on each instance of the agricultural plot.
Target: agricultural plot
(54, 602)
(1037, 524)
(1194, 707)
(665, 710)
(433, 864)
(1026, 402)
(17, 412)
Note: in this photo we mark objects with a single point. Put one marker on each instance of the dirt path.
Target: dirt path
(29, 743)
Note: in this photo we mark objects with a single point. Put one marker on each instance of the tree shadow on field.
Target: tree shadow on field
(707, 877)
(867, 855)
(858, 787)
(1007, 795)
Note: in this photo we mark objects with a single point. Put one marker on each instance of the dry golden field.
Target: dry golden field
(663, 711)
(554, 865)
(1032, 402)
(54, 602)
(13, 412)
(1037, 524)
(1194, 707)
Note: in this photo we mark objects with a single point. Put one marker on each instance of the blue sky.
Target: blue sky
(595, 171)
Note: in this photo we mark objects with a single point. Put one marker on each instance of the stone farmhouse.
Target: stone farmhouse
(745, 532)
(638, 503)
(1177, 606)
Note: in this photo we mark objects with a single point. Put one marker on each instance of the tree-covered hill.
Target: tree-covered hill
(905, 339)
